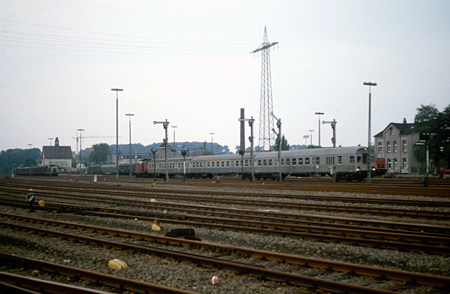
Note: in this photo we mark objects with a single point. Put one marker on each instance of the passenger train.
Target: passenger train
(348, 163)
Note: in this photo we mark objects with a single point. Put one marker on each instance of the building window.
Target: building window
(389, 164)
(391, 132)
(395, 163)
(395, 146)
(404, 146)
(380, 148)
(388, 147)
(405, 163)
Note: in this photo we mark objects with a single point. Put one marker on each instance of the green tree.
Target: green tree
(100, 154)
(284, 144)
(429, 119)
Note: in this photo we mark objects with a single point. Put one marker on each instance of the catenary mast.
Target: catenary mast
(266, 123)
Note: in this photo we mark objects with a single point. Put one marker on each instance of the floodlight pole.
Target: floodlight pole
(117, 134)
(166, 126)
(154, 164)
(369, 160)
(251, 138)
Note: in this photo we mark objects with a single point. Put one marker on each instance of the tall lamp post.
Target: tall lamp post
(79, 155)
(129, 118)
(117, 90)
(369, 159)
(319, 114)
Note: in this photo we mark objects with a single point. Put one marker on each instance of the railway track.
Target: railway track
(210, 197)
(330, 268)
(352, 235)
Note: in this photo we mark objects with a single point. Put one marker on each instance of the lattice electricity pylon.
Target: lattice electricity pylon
(266, 124)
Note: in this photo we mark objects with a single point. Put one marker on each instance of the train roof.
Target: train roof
(330, 151)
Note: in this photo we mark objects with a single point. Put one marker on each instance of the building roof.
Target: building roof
(404, 128)
(57, 152)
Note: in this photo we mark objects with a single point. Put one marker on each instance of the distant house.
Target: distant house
(60, 156)
(394, 148)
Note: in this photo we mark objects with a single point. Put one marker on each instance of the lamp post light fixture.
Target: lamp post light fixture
(369, 159)
(166, 143)
(117, 90)
(319, 114)
(79, 154)
(129, 118)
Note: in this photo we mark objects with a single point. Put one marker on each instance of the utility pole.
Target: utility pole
(79, 155)
(319, 114)
(174, 148)
(129, 118)
(333, 126)
(166, 143)
(266, 107)
(212, 146)
(117, 90)
(279, 145)
(251, 138)
(369, 159)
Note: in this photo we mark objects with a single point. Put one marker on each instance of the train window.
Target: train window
(339, 159)
(288, 161)
(317, 160)
(212, 164)
(294, 161)
(352, 159)
(223, 164)
(300, 161)
(307, 160)
(270, 161)
(330, 160)
(218, 164)
(228, 163)
(264, 162)
(358, 159)
(208, 164)
(237, 163)
(282, 161)
(246, 162)
(259, 162)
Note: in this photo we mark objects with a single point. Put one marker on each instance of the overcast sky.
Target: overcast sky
(189, 62)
